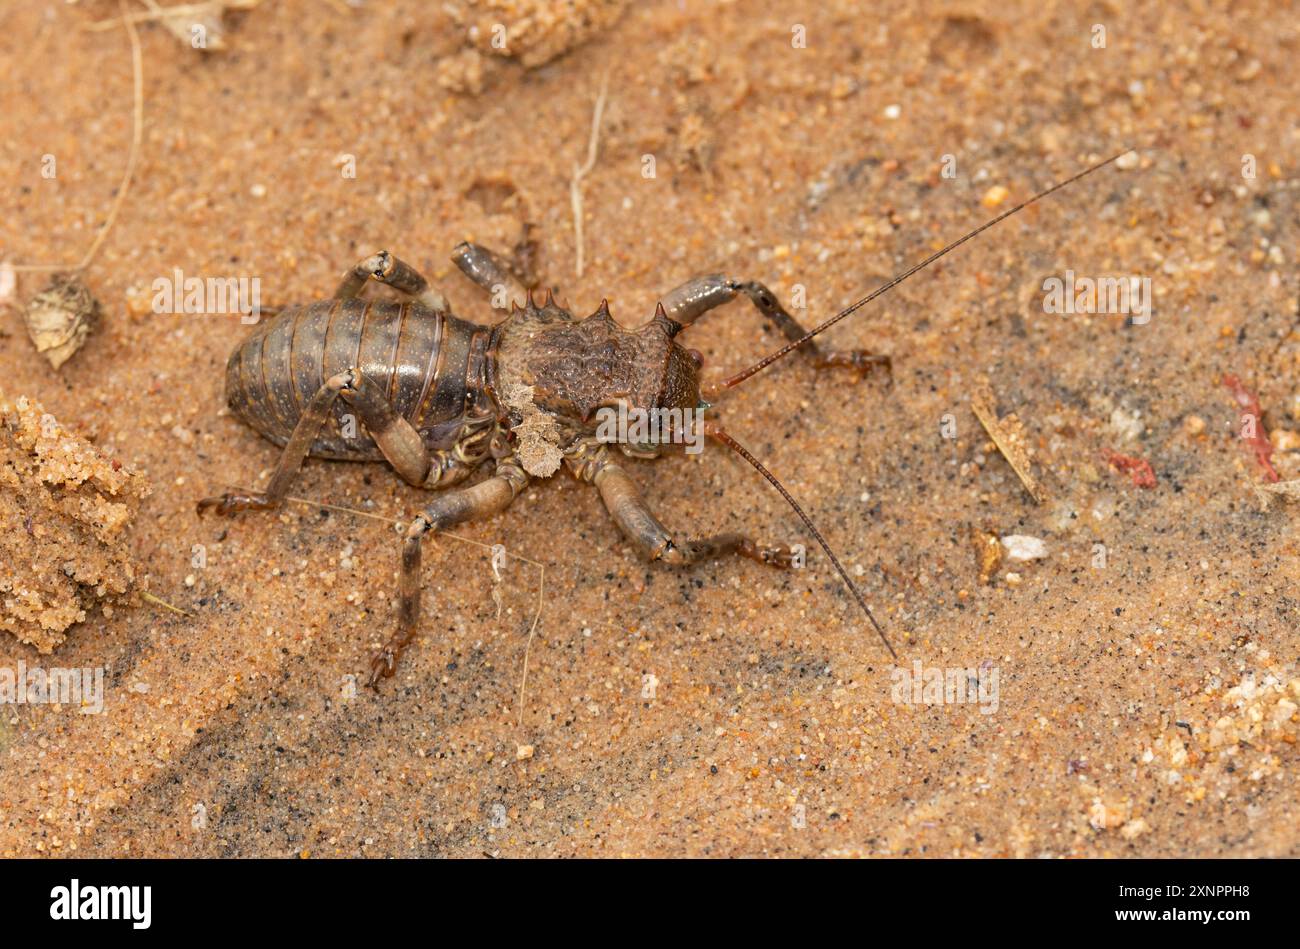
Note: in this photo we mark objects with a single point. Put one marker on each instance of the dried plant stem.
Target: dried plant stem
(523, 681)
(581, 171)
(163, 603)
(137, 136)
(155, 12)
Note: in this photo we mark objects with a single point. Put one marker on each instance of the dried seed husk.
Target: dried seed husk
(60, 317)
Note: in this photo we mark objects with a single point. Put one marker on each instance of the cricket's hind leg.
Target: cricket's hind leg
(496, 275)
(629, 510)
(453, 507)
(384, 268)
(396, 437)
(688, 302)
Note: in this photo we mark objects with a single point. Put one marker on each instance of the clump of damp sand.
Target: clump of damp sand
(68, 510)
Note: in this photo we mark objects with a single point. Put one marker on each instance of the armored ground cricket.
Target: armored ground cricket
(440, 398)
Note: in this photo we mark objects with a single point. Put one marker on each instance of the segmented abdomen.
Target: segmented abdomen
(430, 364)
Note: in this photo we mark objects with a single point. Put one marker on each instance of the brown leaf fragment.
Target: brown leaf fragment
(988, 553)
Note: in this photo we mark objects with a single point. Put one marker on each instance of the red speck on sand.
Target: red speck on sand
(1138, 469)
(1258, 442)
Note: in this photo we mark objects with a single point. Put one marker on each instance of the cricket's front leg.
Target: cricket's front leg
(629, 510)
(688, 302)
(454, 507)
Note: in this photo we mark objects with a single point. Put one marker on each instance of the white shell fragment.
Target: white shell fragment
(1024, 547)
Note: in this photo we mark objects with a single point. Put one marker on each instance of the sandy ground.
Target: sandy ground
(1143, 704)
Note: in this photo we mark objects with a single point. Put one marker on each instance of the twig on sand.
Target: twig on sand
(581, 171)
(1008, 436)
(156, 12)
(137, 136)
(523, 681)
(163, 603)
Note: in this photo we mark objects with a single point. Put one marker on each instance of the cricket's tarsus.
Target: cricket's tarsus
(790, 347)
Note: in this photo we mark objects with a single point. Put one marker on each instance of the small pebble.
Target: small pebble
(1024, 547)
(1134, 829)
(994, 196)
(1127, 423)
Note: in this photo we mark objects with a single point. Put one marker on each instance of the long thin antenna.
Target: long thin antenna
(766, 361)
(716, 431)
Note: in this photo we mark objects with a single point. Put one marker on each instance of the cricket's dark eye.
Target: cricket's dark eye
(696, 357)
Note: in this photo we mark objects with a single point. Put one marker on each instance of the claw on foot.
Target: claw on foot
(780, 556)
(231, 503)
(857, 359)
(378, 265)
(382, 666)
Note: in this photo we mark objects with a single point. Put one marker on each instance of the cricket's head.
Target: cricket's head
(594, 376)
